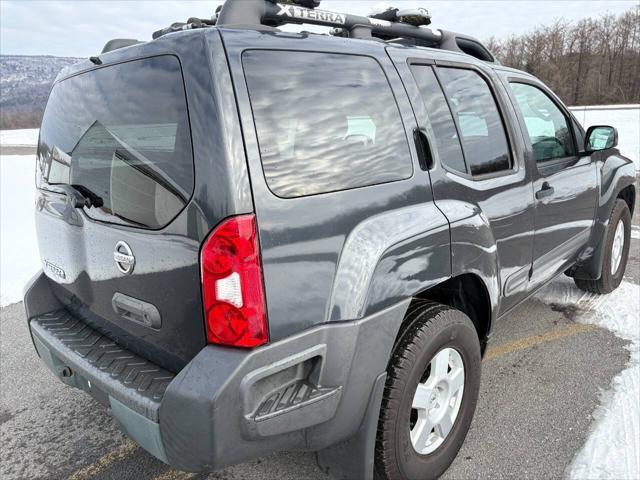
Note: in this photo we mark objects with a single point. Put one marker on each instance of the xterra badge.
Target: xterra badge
(308, 14)
(53, 268)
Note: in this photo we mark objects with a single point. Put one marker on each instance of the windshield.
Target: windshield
(122, 133)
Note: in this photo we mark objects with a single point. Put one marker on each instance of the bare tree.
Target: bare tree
(593, 61)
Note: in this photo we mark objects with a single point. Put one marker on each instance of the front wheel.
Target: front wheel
(433, 380)
(617, 242)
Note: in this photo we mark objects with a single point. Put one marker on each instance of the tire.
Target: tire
(609, 280)
(430, 330)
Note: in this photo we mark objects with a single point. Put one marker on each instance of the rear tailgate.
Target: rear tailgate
(128, 263)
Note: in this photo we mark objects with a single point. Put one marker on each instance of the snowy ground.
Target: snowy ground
(19, 257)
(19, 138)
(612, 450)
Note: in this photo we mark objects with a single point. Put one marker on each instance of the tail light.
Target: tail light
(232, 288)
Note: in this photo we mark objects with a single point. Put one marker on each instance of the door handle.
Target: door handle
(424, 150)
(545, 191)
(136, 310)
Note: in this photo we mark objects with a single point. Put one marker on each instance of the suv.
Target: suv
(256, 240)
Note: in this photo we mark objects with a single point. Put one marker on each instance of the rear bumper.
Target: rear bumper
(129, 385)
(309, 391)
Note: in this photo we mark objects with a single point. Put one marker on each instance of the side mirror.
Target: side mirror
(600, 137)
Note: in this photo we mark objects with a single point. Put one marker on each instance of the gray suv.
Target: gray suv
(256, 240)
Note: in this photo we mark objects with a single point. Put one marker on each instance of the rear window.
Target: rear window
(325, 122)
(122, 133)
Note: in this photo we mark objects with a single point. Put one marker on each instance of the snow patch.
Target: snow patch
(19, 138)
(612, 450)
(19, 257)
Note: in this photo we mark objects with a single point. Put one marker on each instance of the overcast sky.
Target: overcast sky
(81, 28)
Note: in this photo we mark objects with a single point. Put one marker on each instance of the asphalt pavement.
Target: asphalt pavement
(542, 379)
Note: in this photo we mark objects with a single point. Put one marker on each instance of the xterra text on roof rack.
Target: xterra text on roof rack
(256, 240)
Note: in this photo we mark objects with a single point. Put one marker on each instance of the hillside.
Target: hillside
(25, 82)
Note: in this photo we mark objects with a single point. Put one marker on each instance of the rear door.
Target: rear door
(479, 177)
(564, 183)
(128, 263)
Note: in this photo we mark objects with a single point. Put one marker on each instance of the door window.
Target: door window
(547, 126)
(484, 139)
(440, 118)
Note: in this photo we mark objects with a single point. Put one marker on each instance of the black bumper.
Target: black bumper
(307, 392)
(129, 385)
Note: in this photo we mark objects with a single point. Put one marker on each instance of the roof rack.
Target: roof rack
(408, 27)
(391, 25)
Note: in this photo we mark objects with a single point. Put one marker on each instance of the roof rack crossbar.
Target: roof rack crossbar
(236, 13)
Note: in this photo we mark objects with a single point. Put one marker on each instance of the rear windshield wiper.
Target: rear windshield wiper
(80, 196)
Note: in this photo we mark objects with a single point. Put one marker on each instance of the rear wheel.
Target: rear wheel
(430, 394)
(617, 244)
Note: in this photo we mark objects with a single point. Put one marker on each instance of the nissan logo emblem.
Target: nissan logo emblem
(123, 256)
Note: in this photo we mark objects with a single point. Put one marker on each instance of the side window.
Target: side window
(547, 126)
(325, 122)
(444, 129)
(483, 135)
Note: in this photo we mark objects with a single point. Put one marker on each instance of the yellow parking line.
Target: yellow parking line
(173, 474)
(528, 342)
(104, 462)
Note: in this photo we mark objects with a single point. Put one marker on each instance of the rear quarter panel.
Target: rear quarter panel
(347, 254)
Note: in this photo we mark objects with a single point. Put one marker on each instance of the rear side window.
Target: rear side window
(483, 135)
(122, 133)
(547, 126)
(444, 129)
(325, 122)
